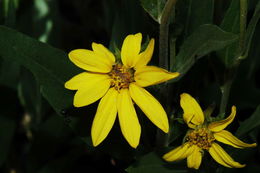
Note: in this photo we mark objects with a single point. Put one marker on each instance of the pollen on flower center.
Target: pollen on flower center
(201, 137)
(121, 76)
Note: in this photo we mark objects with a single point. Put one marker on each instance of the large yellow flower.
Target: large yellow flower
(117, 84)
(203, 136)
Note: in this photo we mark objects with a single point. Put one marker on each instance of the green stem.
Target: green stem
(161, 137)
(164, 32)
(225, 90)
(232, 71)
(243, 20)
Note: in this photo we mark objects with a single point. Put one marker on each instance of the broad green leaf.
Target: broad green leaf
(9, 73)
(249, 124)
(154, 8)
(205, 39)
(50, 66)
(152, 163)
(230, 23)
(193, 13)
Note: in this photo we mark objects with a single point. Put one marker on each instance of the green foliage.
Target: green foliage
(152, 163)
(250, 123)
(41, 131)
(205, 39)
(33, 54)
(154, 8)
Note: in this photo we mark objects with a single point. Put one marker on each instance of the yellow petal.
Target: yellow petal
(227, 138)
(130, 50)
(91, 92)
(90, 61)
(128, 120)
(179, 153)
(220, 156)
(151, 75)
(220, 125)
(103, 52)
(150, 106)
(105, 117)
(194, 159)
(146, 55)
(192, 113)
(85, 78)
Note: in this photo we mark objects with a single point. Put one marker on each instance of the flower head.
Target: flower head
(119, 84)
(203, 136)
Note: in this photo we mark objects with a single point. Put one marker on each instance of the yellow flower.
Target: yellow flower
(117, 84)
(203, 136)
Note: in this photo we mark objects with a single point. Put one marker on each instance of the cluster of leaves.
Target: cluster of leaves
(40, 131)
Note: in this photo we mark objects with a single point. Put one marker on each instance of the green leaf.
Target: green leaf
(152, 163)
(230, 23)
(249, 124)
(154, 8)
(205, 39)
(49, 65)
(192, 13)
(251, 29)
(9, 73)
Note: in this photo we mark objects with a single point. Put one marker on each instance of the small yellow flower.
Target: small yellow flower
(203, 136)
(117, 84)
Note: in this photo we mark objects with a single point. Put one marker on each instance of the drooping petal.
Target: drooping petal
(128, 120)
(179, 153)
(145, 56)
(150, 106)
(220, 156)
(103, 52)
(192, 113)
(90, 61)
(105, 117)
(226, 137)
(151, 75)
(85, 79)
(194, 159)
(91, 92)
(220, 125)
(130, 50)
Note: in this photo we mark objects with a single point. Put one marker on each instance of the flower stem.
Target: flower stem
(161, 137)
(231, 73)
(164, 32)
(243, 20)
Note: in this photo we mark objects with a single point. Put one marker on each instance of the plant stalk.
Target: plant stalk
(232, 71)
(164, 33)
(161, 137)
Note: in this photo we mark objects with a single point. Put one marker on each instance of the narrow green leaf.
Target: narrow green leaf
(251, 29)
(50, 66)
(249, 124)
(154, 8)
(205, 39)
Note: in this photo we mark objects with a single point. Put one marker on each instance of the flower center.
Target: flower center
(201, 137)
(121, 76)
